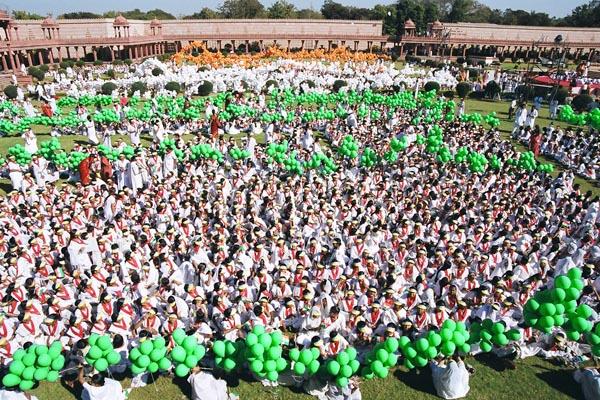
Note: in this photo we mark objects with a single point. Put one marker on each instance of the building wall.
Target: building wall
(532, 33)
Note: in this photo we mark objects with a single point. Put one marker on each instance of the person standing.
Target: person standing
(90, 130)
(15, 172)
(30, 141)
(214, 125)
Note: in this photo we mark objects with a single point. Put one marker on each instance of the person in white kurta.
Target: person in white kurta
(15, 394)
(170, 163)
(206, 387)
(135, 175)
(122, 172)
(90, 130)
(101, 388)
(30, 141)
(450, 379)
(521, 116)
(15, 172)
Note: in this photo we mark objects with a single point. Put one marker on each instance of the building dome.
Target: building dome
(49, 22)
(120, 21)
(409, 24)
(437, 24)
(4, 15)
(155, 22)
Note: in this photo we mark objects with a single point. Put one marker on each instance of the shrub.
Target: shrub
(524, 91)
(108, 88)
(98, 62)
(460, 60)
(476, 95)
(463, 89)
(127, 61)
(62, 71)
(309, 83)
(270, 83)
(412, 59)
(501, 59)
(581, 103)
(118, 62)
(338, 84)
(44, 67)
(64, 64)
(245, 85)
(205, 88)
(202, 68)
(561, 95)
(173, 86)
(111, 73)
(431, 85)
(132, 70)
(71, 63)
(157, 71)
(36, 73)
(492, 89)
(11, 92)
(80, 63)
(449, 94)
(138, 86)
(514, 60)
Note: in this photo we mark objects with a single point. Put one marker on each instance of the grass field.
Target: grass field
(533, 379)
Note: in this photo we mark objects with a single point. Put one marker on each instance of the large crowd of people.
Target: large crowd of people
(142, 246)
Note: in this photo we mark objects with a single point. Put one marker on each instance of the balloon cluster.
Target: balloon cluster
(568, 115)
(229, 354)
(495, 162)
(343, 366)
(292, 164)
(205, 151)
(349, 147)
(398, 145)
(49, 148)
(593, 338)
(101, 353)
(435, 139)
(492, 120)
(545, 167)
(22, 156)
(557, 307)
(474, 118)
(75, 158)
(106, 115)
(368, 158)
(381, 359)
(444, 155)
(277, 152)
(477, 162)
(489, 333)
(390, 156)
(66, 101)
(187, 352)
(150, 356)
(527, 161)
(37, 363)
(305, 361)
(320, 160)
(239, 154)
(111, 154)
(420, 139)
(264, 351)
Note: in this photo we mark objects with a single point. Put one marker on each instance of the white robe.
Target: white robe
(450, 381)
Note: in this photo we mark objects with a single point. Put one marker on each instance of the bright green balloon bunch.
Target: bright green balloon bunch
(492, 120)
(49, 148)
(150, 356)
(320, 160)
(381, 359)
(101, 353)
(474, 118)
(555, 307)
(106, 115)
(443, 155)
(293, 165)
(349, 147)
(435, 139)
(420, 139)
(37, 363)
(66, 101)
(399, 145)
(495, 162)
(390, 156)
(264, 353)
(277, 152)
(22, 156)
(239, 154)
(75, 158)
(568, 115)
(111, 154)
(305, 361)
(461, 155)
(477, 162)
(545, 167)
(368, 158)
(343, 366)
(527, 161)
(229, 355)
(593, 338)
(205, 151)
(489, 333)
(186, 354)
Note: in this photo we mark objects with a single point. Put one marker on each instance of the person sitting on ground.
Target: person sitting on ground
(205, 386)
(589, 378)
(100, 388)
(450, 378)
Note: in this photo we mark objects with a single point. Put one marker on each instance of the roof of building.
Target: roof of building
(120, 20)
(409, 24)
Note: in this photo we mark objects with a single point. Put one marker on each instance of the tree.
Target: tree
(18, 14)
(460, 10)
(387, 14)
(333, 10)
(242, 9)
(431, 12)
(79, 15)
(205, 13)
(307, 13)
(585, 15)
(410, 9)
(281, 9)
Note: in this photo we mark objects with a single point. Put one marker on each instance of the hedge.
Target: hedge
(108, 88)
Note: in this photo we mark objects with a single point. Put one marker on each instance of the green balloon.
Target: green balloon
(200, 351)
(306, 356)
(146, 347)
(18, 355)
(134, 354)
(189, 343)
(265, 340)
(159, 342)
(94, 353)
(562, 282)
(104, 343)
(333, 367)
(41, 349)
(178, 336)
(256, 366)
(52, 376)
(420, 361)
(182, 371)
(164, 364)
(229, 364)
(276, 337)
(113, 358)
(280, 364)
(44, 360)
(29, 359)
(219, 348)
(93, 339)
(251, 339)
(101, 364)
(299, 368)
(446, 334)
(448, 348)
(153, 367)
(28, 373)
(341, 381)
(191, 361)
(178, 354)
(55, 350)
(11, 380)
(275, 352)
(135, 370)
(458, 338)
(257, 350)
(351, 351)
(449, 324)
(272, 376)
(16, 368)
(143, 361)
(342, 358)
(26, 385)
(314, 366)
(403, 341)
(41, 373)
(346, 371)
(391, 345)
(574, 273)
(432, 353)
(382, 355)
(422, 345)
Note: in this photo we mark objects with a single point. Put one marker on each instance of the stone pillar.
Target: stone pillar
(130, 54)
(95, 54)
(4, 65)
(51, 55)
(329, 45)
(112, 54)
(69, 53)
(316, 44)
(29, 61)
(233, 46)
(11, 59)
(40, 57)
(219, 45)
(289, 44)
(302, 44)
(464, 51)
(18, 60)
(401, 49)
(591, 54)
(356, 45)
(247, 46)
(59, 54)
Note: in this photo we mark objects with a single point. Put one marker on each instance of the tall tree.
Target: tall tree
(585, 15)
(20, 14)
(334, 10)
(460, 10)
(205, 13)
(242, 9)
(79, 15)
(387, 14)
(307, 13)
(410, 9)
(282, 9)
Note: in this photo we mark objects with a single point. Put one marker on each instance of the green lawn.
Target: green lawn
(533, 379)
